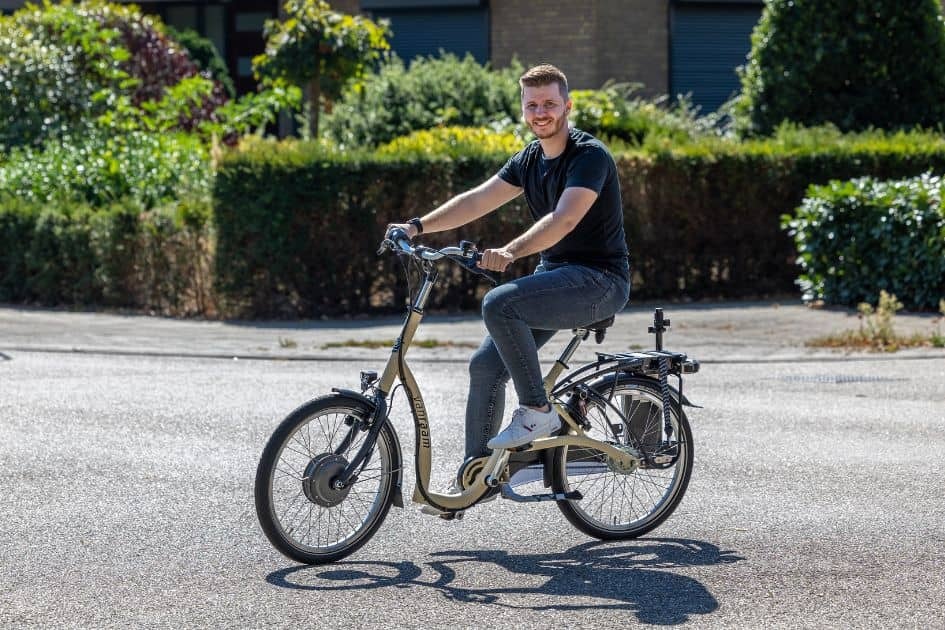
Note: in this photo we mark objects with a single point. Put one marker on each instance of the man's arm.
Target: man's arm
(551, 228)
(465, 207)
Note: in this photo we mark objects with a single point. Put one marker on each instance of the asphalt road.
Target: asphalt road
(816, 501)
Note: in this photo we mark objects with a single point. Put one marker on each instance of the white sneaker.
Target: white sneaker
(527, 425)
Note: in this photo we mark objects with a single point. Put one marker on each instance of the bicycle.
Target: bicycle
(331, 470)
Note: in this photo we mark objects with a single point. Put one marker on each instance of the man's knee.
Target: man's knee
(486, 363)
(496, 303)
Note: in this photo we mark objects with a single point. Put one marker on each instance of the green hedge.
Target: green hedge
(118, 255)
(100, 167)
(298, 226)
(856, 237)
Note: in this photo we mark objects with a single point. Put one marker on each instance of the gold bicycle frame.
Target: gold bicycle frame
(495, 464)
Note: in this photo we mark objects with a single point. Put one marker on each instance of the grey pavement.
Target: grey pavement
(711, 332)
(815, 499)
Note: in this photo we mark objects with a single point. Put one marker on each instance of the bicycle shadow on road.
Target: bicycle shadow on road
(636, 577)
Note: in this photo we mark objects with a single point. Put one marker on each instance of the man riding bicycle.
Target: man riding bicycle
(570, 184)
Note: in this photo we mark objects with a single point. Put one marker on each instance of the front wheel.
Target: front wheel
(620, 504)
(302, 513)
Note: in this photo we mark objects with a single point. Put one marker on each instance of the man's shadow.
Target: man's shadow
(633, 576)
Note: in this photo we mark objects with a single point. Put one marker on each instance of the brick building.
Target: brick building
(670, 46)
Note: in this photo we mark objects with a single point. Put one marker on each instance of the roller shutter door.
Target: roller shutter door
(707, 43)
(425, 32)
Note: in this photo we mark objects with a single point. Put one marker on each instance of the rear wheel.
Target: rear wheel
(299, 508)
(616, 503)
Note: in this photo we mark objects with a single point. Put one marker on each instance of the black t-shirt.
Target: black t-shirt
(599, 239)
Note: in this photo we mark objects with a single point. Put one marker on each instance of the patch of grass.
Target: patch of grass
(387, 343)
(287, 342)
(877, 331)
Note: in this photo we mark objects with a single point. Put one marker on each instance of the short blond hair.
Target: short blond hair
(544, 74)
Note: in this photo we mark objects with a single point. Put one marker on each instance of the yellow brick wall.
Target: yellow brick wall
(352, 7)
(591, 41)
(560, 33)
(633, 43)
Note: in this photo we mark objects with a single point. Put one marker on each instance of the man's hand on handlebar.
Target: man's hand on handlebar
(496, 259)
(409, 228)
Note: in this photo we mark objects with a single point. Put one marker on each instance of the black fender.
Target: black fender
(396, 457)
(608, 379)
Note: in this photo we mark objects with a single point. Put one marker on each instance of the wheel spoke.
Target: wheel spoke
(312, 527)
(615, 501)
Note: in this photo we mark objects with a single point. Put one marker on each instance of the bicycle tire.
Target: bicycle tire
(589, 473)
(285, 505)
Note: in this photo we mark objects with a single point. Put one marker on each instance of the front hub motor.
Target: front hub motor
(320, 477)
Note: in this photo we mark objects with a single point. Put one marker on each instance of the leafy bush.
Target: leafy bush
(615, 113)
(857, 64)
(455, 143)
(47, 87)
(854, 237)
(99, 168)
(65, 65)
(112, 255)
(203, 53)
(432, 92)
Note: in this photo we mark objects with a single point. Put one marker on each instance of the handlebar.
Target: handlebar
(465, 255)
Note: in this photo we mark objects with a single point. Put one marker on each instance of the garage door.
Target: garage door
(708, 41)
(424, 32)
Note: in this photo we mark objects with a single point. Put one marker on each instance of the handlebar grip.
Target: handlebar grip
(397, 234)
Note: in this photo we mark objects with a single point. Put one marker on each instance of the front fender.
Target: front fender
(396, 456)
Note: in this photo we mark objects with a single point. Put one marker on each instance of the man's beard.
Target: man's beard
(548, 130)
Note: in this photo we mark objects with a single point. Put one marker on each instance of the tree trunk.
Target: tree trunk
(313, 91)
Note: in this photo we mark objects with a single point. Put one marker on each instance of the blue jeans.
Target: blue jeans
(521, 316)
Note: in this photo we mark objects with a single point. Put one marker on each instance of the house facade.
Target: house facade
(668, 46)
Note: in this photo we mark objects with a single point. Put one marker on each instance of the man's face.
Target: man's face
(545, 110)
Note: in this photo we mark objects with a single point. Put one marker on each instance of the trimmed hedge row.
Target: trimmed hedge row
(298, 226)
(298, 229)
(119, 256)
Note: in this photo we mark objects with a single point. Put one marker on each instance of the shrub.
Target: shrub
(203, 53)
(455, 143)
(857, 64)
(113, 255)
(99, 169)
(432, 92)
(67, 64)
(854, 237)
(614, 113)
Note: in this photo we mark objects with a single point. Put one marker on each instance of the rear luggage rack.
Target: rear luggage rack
(648, 362)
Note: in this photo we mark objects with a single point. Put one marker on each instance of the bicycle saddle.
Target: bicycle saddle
(601, 325)
(598, 328)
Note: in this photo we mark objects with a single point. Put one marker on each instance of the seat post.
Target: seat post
(561, 363)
